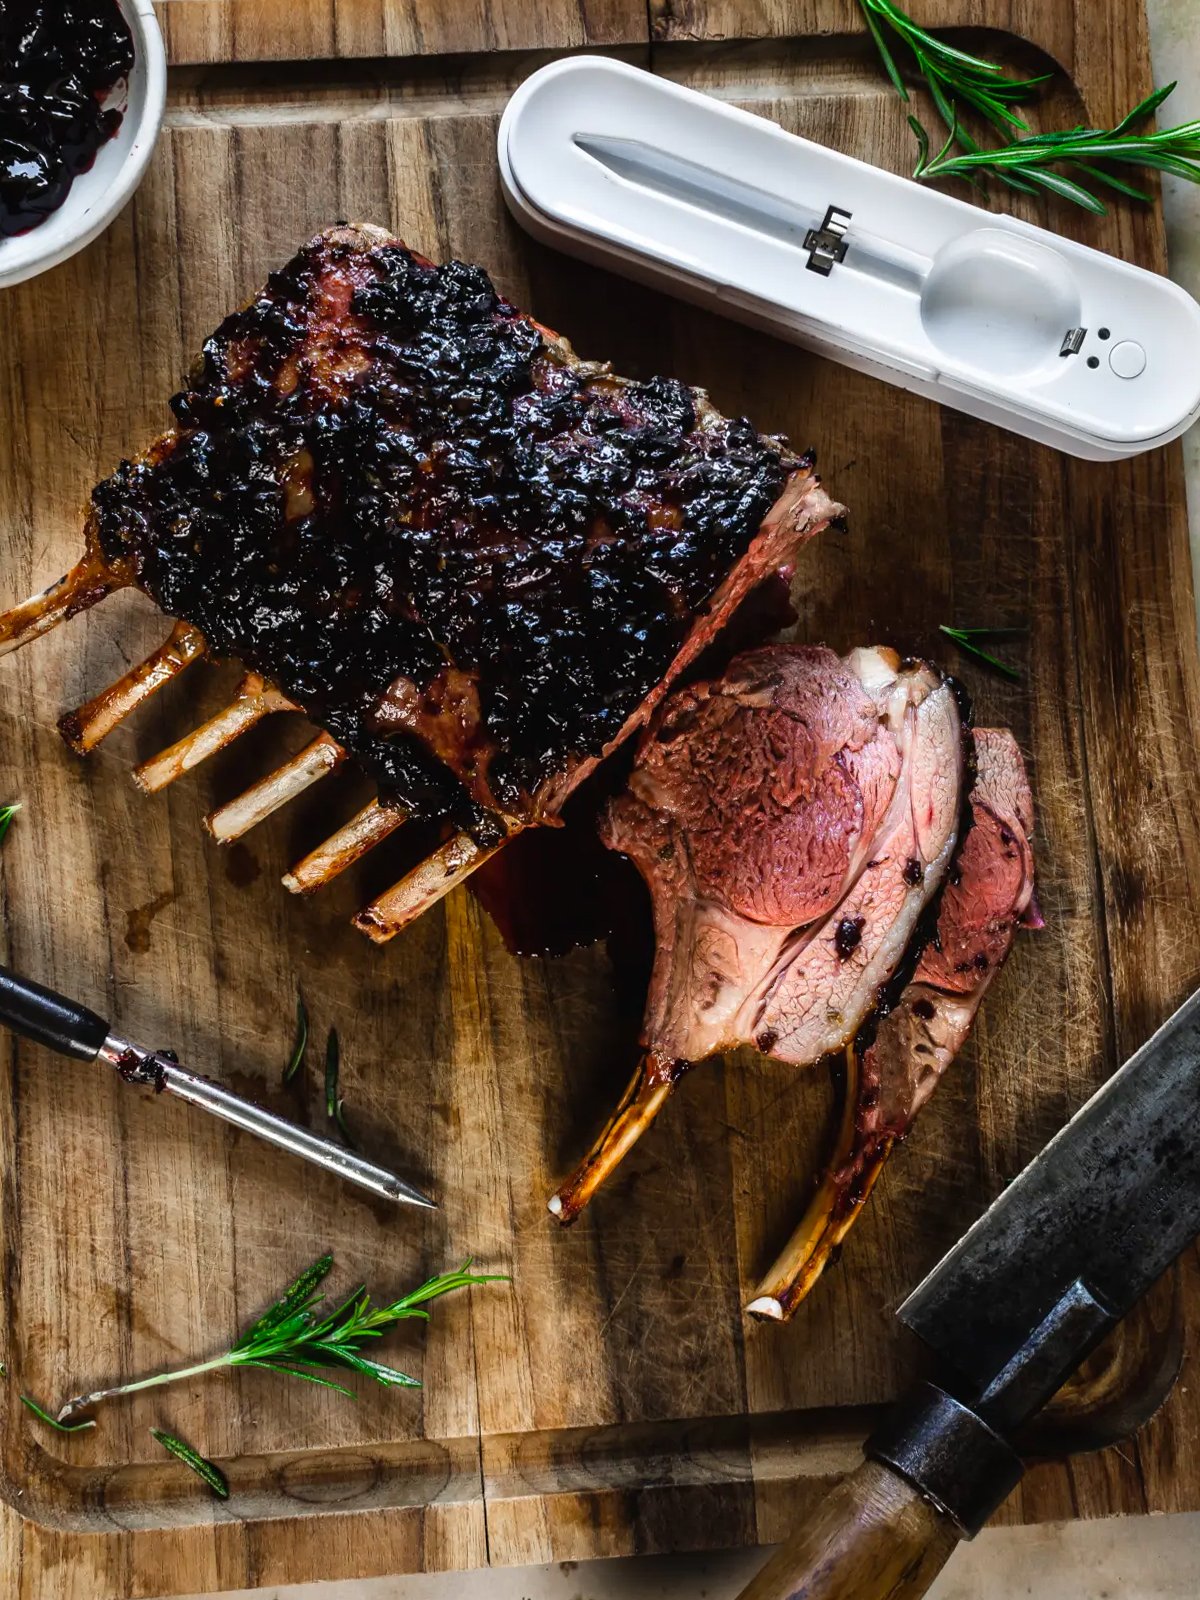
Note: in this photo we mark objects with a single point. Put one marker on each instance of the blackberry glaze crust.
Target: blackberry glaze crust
(467, 554)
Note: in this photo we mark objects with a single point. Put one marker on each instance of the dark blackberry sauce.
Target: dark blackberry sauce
(468, 555)
(58, 61)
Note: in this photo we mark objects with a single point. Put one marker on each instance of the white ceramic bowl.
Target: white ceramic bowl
(97, 195)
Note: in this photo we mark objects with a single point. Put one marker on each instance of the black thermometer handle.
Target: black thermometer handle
(50, 1019)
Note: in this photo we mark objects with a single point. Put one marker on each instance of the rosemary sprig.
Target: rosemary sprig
(965, 639)
(200, 1465)
(1173, 150)
(958, 81)
(7, 813)
(296, 1059)
(333, 1100)
(298, 1337)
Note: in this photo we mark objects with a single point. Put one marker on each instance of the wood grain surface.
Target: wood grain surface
(875, 1537)
(615, 1400)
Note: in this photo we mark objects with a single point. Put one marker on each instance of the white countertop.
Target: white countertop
(1135, 1558)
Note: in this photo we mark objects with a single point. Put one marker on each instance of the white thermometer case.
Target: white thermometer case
(979, 311)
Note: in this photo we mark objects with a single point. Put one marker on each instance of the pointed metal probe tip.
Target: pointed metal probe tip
(405, 1195)
(161, 1072)
(71, 1029)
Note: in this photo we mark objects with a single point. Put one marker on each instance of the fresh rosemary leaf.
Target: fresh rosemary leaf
(333, 1064)
(7, 813)
(295, 1300)
(298, 1338)
(212, 1475)
(965, 639)
(1121, 185)
(296, 1059)
(436, 1287)
(55, 1422)
(888, 59)
(1147, 107)
(922, 139)
(298, 1372)
(1013, 631)
(1065, 189)
(388, 1376)
(333, 1101)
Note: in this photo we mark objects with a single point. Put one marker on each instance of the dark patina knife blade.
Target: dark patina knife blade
(1092, 1221)
(1068, 1248)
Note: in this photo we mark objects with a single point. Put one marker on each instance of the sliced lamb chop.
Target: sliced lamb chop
(893, 1067)
(792, 820)
(798, 823)
(475, 561)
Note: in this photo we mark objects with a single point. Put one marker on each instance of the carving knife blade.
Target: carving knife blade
(71, 1029)
(1013, 1308)
(1093, 1221)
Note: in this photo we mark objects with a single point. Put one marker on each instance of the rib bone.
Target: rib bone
(648, 1091)
(317, 760)
(342, 849)
(88, 582)
(84, 728)
(831, 1212)
(252, 701)
(424, 886)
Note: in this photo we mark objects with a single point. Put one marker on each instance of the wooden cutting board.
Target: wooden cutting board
(615, 1399)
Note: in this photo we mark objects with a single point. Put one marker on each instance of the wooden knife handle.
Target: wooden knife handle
(873, 1538)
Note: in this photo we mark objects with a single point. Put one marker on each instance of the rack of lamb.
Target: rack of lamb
(475, 562)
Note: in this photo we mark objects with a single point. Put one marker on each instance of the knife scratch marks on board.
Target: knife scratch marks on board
(629, 1283)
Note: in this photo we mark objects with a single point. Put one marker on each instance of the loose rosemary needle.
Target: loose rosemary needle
(200, 1465)
(7, 813)
(965, 639)
(334, 1105)
(296, 1059)
(300, 1338)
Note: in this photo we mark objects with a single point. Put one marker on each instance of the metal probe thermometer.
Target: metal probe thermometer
(60, 1024)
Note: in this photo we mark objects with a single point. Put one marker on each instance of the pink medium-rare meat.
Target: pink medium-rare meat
(893, 1068)
(797, 822)
(989, 895)
(792, 820)
(992, 888)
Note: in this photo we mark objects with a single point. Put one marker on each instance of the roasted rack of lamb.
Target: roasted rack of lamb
(837, 864)
(473, 560)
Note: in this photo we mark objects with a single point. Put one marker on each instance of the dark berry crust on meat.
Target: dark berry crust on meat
(467, 554)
